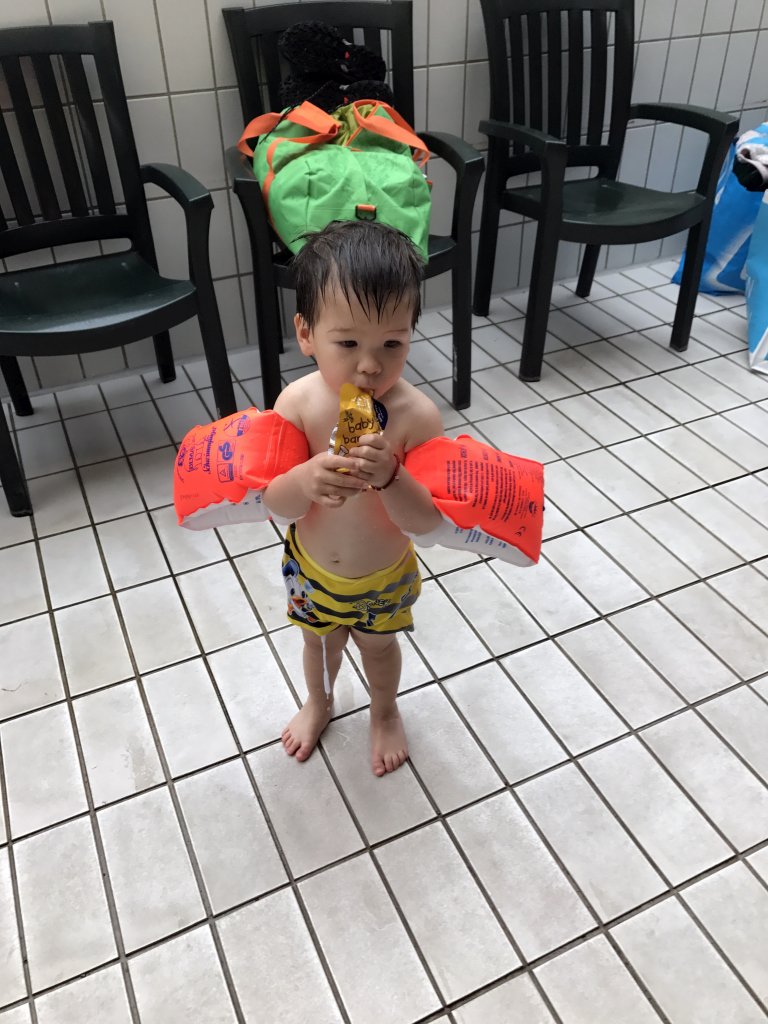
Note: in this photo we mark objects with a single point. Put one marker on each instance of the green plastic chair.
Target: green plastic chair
(253, 37)
(554, 105)
(85, 305)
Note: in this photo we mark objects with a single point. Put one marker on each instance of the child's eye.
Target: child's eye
(348, 343)
(392, 343)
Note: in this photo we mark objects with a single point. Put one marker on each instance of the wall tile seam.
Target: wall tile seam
(752, 59)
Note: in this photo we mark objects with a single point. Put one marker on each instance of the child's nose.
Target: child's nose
(368, 365)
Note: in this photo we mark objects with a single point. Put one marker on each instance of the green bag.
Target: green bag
(361, 162)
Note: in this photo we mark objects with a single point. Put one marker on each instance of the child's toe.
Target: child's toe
(290, 743)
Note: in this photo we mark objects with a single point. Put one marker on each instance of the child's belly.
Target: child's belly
(357, 539)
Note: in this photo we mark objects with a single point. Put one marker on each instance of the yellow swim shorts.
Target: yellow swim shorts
(320, 601)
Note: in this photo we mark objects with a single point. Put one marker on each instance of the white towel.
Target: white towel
(752, 149)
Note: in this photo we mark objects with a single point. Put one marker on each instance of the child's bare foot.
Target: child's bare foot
(303, 731)
(389, 747)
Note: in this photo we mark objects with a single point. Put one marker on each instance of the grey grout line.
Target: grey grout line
(15, 893)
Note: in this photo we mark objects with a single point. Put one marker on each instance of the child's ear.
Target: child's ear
(303, 334)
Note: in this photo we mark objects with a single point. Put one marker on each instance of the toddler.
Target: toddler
(349, 568)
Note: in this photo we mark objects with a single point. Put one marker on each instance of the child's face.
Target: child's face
(351, 349)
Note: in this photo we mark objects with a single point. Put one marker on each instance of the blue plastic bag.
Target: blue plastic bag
(730, 231)
(757, 290)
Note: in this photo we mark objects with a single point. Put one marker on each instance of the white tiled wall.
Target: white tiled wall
(184, 105)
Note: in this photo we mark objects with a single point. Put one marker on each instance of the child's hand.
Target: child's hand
(323, 484)
(374, 460)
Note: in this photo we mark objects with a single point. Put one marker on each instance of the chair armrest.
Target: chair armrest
(720, 127)
(702, 119)
(455, 151)
(552, 154)
(538, 142)
(196, 202)
(178, 183)
(468, 165)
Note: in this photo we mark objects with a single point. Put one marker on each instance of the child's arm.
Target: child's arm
(408, 503)
(290, 495)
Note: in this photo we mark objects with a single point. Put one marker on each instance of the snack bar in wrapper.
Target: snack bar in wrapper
(358, 415)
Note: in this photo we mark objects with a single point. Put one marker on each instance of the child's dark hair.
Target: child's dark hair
(372, 262)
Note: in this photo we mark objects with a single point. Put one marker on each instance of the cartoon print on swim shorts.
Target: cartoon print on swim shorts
(371, 609)
(298, 590)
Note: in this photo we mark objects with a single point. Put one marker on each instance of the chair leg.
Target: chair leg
(164, 357)
(11, 476)
(486, 247)
(461, 285)
(279, 339)
(215, 349)
(268, 327)
(689, 286)
(539, 297)
(17, 389)
(587, 272)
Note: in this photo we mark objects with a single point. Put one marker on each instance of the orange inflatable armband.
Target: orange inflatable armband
(223, 467)
(492, 503)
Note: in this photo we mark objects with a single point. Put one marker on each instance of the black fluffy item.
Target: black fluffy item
(317, 49)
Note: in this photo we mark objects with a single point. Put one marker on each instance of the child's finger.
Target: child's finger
(332, 500)
(345, 481)
(373, 440)
(368, 454)
(335, 462)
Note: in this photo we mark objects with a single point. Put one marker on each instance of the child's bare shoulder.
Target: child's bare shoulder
(417, 415)
(297, 397)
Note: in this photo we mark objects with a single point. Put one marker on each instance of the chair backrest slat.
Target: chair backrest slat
(555, 73)
(30, 136)
(371, 39)
(14, 182)
(517, 60)
(271, 65)
(535, 71)
(575, 76)
(62, 140)
(89, 127)
(254, 34)
(568, 78)
(598, 74)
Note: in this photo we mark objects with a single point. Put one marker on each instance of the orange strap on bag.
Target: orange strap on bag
(306, 115)
(494, 502)
(222, 468)
(397, 129)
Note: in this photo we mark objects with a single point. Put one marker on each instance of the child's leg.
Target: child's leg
(382, 662)
(303, 731)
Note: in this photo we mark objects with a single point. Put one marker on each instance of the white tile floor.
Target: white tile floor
(582, 832)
